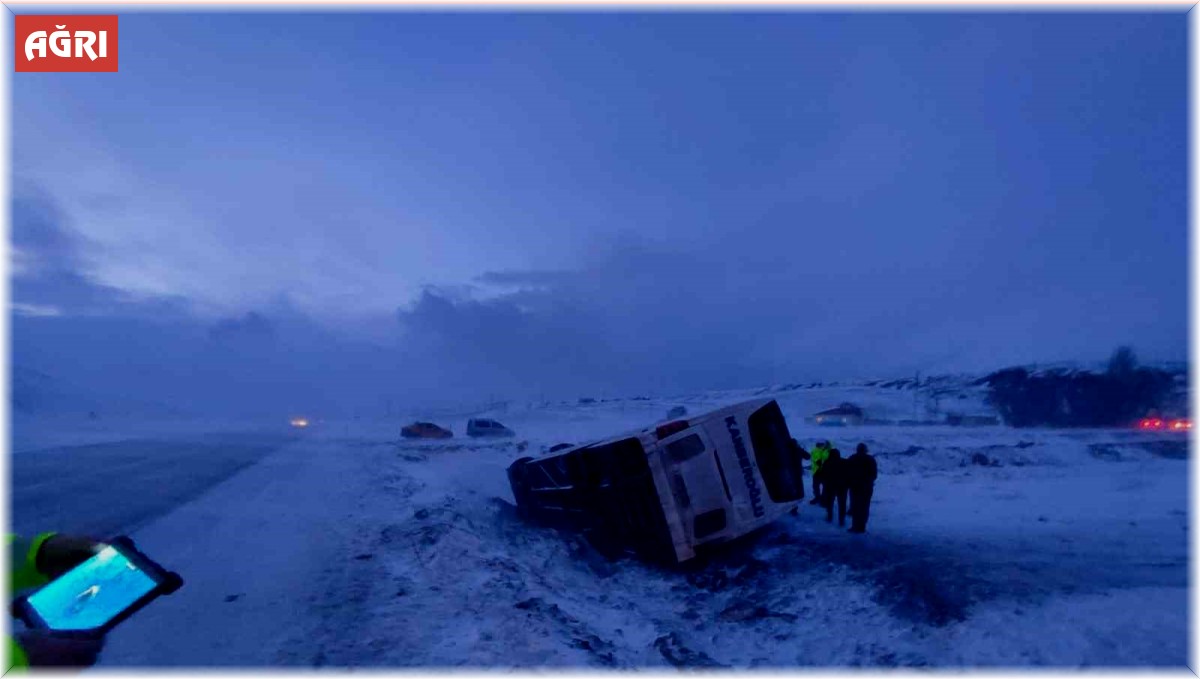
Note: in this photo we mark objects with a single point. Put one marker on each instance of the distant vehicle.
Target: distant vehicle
(1160, 424)
(299, 422)
(676, 412)
(484, 427)
(665, 493)
(425, 430)
(846, 414)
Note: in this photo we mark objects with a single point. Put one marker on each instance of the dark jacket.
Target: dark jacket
(861, 470)
(796, 463)
(834, 474)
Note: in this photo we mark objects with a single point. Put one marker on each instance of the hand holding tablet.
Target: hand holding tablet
(99, 593)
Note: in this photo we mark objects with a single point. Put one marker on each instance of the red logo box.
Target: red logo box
(71, 42)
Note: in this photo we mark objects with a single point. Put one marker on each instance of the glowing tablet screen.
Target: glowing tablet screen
(92, 593)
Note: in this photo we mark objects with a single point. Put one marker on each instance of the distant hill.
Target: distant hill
(37, 393)
(1070, 396)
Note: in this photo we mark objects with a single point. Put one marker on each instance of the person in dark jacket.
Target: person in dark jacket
(834, 471)
(860, 474)
(797, 458)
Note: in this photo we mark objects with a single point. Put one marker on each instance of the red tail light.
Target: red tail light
(665, 430)
(1156, 423)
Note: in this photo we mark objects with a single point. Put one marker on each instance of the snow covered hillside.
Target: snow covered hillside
(344, 545)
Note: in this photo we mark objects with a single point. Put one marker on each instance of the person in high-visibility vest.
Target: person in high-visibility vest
(820, 453)
(34, 563)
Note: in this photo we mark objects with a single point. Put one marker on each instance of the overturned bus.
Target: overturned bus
(667, 492)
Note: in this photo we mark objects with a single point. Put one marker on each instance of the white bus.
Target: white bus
(668, 491)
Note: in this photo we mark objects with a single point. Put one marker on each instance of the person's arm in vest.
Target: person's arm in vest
(24, 574)
(23, 555)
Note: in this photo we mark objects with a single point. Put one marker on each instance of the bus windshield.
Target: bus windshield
(773, 451)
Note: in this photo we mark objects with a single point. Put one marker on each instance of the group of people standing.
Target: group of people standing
(834, 478)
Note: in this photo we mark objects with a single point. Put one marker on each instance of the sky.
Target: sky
(325, 212)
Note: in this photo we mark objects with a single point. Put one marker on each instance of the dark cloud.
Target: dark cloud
(639, 317)
(122, 352)
(776, 304)
(39, 231)
(769, 304)
(50, 266)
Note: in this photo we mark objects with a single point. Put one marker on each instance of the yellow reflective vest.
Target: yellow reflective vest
(24, 575)
(819, 455)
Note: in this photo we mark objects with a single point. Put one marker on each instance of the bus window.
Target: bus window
(685, 448)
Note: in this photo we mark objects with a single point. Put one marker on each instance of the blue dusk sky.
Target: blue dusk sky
(274, 211)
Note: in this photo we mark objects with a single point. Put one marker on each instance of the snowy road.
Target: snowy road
(267, 559)
(107, 488)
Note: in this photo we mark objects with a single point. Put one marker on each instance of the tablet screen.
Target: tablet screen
(92, 593)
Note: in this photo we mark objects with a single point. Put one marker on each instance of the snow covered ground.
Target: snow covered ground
(344, 545)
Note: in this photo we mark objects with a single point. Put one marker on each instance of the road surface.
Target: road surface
(106, 489)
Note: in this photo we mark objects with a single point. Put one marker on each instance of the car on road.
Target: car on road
(480, 426)
(425, 430)
(1165, 424)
